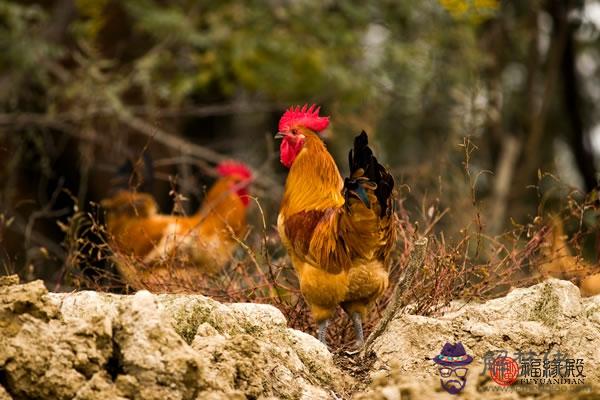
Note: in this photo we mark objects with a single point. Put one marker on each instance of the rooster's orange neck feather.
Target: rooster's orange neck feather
(314, 181)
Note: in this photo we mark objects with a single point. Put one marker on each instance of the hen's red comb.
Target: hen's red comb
(306, 117)
(229, 168)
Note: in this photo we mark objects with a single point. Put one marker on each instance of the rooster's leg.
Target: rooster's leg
(323, 331)
(358, 329)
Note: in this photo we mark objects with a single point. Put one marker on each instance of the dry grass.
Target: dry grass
(472, 267)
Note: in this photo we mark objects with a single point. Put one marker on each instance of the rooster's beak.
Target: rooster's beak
(280, 135)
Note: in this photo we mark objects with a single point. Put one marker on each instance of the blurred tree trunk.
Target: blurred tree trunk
(511, 148)
(580, 141)
(540, 106)
(560, 65)
(507, 131)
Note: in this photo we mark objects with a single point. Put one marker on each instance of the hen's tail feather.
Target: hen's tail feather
(367, 174)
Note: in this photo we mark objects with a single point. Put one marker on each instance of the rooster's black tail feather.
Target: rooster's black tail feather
(366, 174)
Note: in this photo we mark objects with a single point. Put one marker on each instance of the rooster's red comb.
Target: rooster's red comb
(229, 168)
(306, 117)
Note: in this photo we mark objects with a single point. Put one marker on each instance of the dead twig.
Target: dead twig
(415, 262)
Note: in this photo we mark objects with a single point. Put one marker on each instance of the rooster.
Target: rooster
(202, 243)
(338, 232)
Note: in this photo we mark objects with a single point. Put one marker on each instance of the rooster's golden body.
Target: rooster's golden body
(339, 233)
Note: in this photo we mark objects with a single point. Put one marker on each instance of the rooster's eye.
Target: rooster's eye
(294, 131)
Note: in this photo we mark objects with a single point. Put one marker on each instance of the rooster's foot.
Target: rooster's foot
(358, 329)
(323, 331)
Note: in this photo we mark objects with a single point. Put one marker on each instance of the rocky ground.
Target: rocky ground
(90, 345)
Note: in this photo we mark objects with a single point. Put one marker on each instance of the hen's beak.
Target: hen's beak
(280, 135)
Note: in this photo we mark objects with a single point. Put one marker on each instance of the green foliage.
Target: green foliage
(233, 46)
(24, 52)
(474, 11)
(354, 55)
(93, 17)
